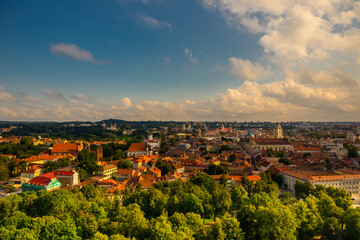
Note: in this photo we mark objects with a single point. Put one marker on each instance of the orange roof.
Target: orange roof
(125, 171)
(64, 147)
(177, 165)
(142, 169)
(109, 166)
(108, 182)
(155, 170)
(120, 187)
(45, 157)
(137, 147)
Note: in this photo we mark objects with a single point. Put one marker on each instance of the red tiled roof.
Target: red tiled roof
(137, 147)
(272, 141)
(48, 175)
(64, 173)
(64, 147)
(40, 181)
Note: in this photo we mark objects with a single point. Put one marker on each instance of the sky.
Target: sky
(182, 60)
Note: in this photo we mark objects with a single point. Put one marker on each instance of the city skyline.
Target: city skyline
(202, 60)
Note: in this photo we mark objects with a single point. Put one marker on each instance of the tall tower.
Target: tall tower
(278, 132)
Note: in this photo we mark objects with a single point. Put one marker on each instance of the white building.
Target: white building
(138, 149)
(152, 142)
(263, 144)
(349, 182)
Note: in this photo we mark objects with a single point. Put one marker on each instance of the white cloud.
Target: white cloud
(332, 78)
(126, 102)
(245, 69)
(80, 96)
(188, 54)
(151, 22)
(73, 51)
(300, 96)
(296, 30)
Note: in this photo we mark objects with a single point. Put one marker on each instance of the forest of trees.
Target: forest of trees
(182, 210)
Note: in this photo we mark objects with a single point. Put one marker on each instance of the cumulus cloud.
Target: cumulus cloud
(73, 51)
(151, 22)
(297, 30)
(126, 102)
(188, 54)
(331, 78)
(299, 96)
(245, 69)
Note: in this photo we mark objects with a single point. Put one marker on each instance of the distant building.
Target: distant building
(348, 181)
(123, 174)
(278, 132)
(47, 182)
(32, 172)
(152, 142)
(277, 144)
(64, 148)
(138, 149)
(108, 170)
(67, 178)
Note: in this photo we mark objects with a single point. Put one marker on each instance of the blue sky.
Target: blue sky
(179, 60)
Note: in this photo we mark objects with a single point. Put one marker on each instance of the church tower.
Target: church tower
(278, 132)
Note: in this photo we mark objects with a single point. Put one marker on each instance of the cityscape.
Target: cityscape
(221, 176)
(180, 120)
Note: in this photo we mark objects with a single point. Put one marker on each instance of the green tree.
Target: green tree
(302, 190)
(88, 161)
(216, 170)
(125, 164)
(163, 147)
(264, 217)
(270, 152)
(160, 228)
(352, 151)
(238, 196)
(231, 227)
(119, 154)
(352, 224)
(311, 222)
(4, 172)
(223, 180)
(232, 157)
(11, 164)
(10, 187)
(164, 167)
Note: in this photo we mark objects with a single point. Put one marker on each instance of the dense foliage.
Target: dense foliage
(181, 210)
(24, 149)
